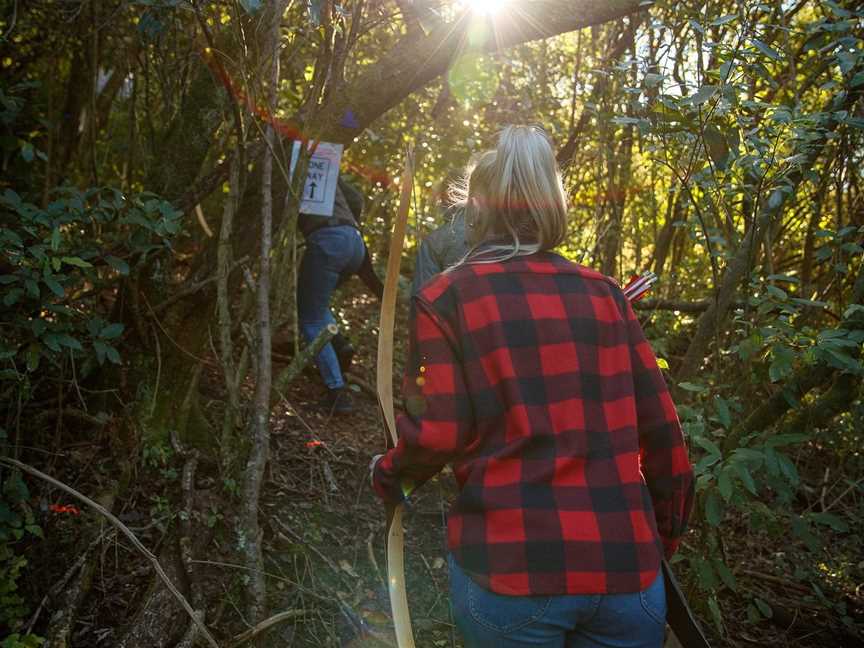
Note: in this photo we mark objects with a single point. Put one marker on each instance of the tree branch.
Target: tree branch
(414, 62)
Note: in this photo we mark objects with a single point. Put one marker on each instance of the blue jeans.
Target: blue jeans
(330, 252)
(486, 619)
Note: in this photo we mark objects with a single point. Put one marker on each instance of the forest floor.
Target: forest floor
(324, 541)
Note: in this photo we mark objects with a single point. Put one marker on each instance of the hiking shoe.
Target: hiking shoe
(337, 401)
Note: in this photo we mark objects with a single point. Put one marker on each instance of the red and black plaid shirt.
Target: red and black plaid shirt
(533, 378)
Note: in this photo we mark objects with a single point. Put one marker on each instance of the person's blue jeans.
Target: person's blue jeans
(330, 252)
(486, 619)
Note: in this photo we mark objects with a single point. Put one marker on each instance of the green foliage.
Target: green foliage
(59, 255)
(16, 526)
(57, 270)
(16, 640)
(63, 259)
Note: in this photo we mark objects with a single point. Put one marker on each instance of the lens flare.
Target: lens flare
(487, 7)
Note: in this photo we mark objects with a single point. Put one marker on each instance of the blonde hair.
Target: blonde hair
(513, 197)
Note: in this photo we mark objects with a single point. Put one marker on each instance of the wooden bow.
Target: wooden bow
(395, 537)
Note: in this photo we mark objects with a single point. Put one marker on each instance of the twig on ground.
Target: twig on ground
(251, 633)
(371, 551)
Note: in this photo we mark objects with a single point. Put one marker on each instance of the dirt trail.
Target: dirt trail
(324, 527)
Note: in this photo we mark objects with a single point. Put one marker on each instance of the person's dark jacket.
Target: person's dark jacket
(441, 249)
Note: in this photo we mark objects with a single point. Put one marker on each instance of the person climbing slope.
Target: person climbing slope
(531, 376)
(335, 251)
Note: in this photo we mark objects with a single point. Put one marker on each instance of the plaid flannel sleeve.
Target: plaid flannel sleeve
(438, 419)
(663, 454)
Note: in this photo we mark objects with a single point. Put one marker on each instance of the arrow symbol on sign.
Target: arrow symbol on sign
(312, 186)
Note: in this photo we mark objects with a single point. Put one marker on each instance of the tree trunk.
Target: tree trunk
(674, 214)
(249, 530)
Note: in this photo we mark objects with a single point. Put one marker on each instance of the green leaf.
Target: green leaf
(725, 574)
(708, 445)
(810, 302)
(801, 529)
(849, 312)
(653, 80)
(827, 519)
(702, 95)
(52, 342)
(713, 509)
(777, 293)
(34, 353)
(783, 277)
(744, 455)
(841, 360)
(34, 529)
(781, 363)
(723, 414)
(722, 20)
(766, 50)
(55, 239)
(32, 288)
(692, 387)
(11, 297)
(55, 287)
(716, 614)
(27, 151)
(775, 199)
(764, 608)
(118, 264)
(724, 484)
(112, 354)
(779, 440)
(772, 465)
(77, 262)
(111, 331)
(745, 476)
(788, 469)
(706, 462)
(100, 348)
(8, 279)
(70, 342)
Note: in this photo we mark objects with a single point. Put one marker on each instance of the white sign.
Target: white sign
(319, 190)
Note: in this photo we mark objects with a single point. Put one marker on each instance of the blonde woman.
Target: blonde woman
(532, 377)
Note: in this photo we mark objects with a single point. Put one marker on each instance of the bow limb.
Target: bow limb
(395, 540)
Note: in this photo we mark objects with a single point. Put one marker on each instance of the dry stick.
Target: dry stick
(226, 347)
(251, 633)
(304, 357)
(249, 526)
(852, 486)
(186, 554)
(126, 531)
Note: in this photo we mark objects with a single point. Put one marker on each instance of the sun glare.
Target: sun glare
(487, 7)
